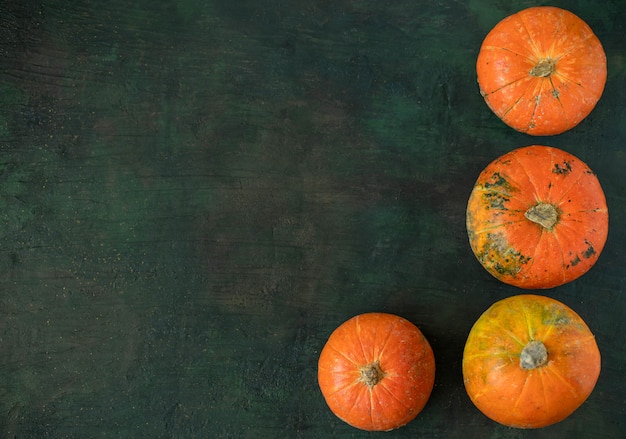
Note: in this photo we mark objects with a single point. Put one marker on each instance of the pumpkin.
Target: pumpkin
(530, 361)
(537, 217)
(376, 371)
(541, 70)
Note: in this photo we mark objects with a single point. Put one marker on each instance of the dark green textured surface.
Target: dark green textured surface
(194, 194)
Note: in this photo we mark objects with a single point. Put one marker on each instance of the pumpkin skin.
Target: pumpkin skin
(541, 70)
(530, 361)
(537, 218)
(376, 371)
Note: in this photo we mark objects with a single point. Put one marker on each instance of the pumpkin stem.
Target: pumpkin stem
(544, 68)
(371, 374)
(544, 214)
(533, 355)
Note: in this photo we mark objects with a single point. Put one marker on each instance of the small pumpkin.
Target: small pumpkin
(537, 217)
(541, 70)
(376, 371)
(530, 361)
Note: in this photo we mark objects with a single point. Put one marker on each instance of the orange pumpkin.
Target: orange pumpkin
(530, 361)
(541, 70)
(376, 371)
(537, 217)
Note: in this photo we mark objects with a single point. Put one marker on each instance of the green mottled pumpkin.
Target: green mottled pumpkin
(530, 361)
(537, 217)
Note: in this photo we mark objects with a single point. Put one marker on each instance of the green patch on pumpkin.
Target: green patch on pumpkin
(499, 257)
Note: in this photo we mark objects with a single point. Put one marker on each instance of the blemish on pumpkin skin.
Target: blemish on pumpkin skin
(495, 200)
(555, 316)
(498, 182)
(563, 169)
(589, 252)
(497, 255)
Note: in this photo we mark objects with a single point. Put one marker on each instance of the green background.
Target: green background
(194, 194)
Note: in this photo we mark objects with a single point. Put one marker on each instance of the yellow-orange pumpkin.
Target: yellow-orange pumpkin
(537, 217)
(530, 361)
(541, 70)
(376, 371)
